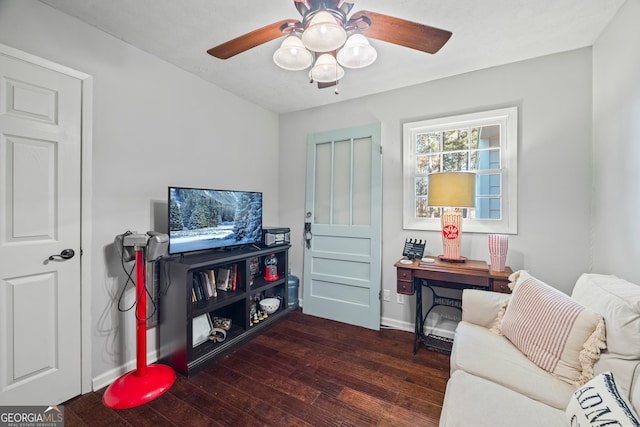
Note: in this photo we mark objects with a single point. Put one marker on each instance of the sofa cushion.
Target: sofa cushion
(625, 371)
(474, 401)
(598, 402)
(618, 301)
(481, 307)
(634, 394)
(479, 352)
(554, 331)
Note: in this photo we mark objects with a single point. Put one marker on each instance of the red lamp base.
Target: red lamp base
(131, 390)
(458, 260)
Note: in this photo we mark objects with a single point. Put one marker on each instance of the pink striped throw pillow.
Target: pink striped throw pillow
(555, 332)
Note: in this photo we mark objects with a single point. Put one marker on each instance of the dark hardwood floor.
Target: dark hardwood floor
(304, 371)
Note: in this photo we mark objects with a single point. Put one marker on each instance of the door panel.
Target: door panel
(32, 345)
(342, 263)
(31, 189)
(40, 322)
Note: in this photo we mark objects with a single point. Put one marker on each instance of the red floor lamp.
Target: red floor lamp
(146, 382)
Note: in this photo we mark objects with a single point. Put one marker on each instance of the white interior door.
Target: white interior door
(40, 300)
(342, 262)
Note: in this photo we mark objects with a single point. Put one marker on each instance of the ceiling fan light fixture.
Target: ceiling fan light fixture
(324, 33)
(326, 69)
(357, 52)
(292, 55)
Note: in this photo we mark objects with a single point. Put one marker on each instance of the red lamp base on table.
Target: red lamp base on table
(131, 390)
(457, 260)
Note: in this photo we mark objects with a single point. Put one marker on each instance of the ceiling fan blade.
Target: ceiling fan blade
(250, 40)
(402, 32)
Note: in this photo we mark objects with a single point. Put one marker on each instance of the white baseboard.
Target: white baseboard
(108, 377)
(409, 327)
(396, 324)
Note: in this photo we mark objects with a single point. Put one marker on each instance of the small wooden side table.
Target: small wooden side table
(472, 274)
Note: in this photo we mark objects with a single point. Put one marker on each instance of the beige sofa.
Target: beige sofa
(493, 384)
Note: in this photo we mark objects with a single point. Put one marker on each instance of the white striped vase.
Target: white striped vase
(498, 245)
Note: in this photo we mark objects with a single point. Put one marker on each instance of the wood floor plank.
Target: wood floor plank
(303, 372)
(276, 416)
(181, 413)
(318, 382)
(388, 413)
(411, 403)
(223, 409)
(349, 414)
(90, 409)
(309, 413)
(264, 377)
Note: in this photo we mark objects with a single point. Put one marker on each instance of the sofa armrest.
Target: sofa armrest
(482, 307)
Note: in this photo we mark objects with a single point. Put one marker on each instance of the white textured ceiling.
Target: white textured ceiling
(485, 34)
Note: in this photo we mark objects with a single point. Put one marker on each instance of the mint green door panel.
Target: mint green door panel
(342, 266)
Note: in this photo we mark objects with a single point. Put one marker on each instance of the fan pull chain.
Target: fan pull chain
(336, 91)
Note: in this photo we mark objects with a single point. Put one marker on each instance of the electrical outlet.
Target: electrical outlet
(386, 295)
(400, 298)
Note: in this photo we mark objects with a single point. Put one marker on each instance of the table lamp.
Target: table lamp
(451, 190)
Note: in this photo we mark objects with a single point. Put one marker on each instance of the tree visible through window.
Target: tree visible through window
(484, 143)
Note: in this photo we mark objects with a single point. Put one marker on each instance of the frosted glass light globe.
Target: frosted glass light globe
(357, 52)
(326, 69)
(323, 34)
(292, 55)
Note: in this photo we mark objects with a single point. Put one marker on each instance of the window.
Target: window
(485, 143)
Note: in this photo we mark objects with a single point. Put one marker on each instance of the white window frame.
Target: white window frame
(507, 118)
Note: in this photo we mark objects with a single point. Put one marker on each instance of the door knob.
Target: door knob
(65, 254)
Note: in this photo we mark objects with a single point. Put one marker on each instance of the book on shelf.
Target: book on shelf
(211, 277)
(197, 286)
(223, 277)
(235, 277)
(204, 278)
(204, 286)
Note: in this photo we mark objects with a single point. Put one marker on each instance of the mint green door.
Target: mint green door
(342, 260)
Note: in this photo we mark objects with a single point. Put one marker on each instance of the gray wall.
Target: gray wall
(553, 94)
(154, 125)
(616, 146)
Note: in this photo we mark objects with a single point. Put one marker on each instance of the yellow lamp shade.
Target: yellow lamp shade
(452, 189)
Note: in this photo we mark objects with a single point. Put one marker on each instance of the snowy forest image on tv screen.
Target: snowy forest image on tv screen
(206, 219)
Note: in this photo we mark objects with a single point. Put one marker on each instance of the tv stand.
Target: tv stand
(188, 303)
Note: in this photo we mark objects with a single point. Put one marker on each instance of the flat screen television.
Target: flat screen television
(201, 219)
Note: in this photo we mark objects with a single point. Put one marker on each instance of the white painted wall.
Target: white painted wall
(154, 126)
(616, 145)
(553, 94)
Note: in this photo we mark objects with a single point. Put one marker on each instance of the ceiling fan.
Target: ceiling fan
(326, 27)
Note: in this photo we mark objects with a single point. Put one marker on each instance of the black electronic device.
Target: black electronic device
(273, 236)
(201, 219)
